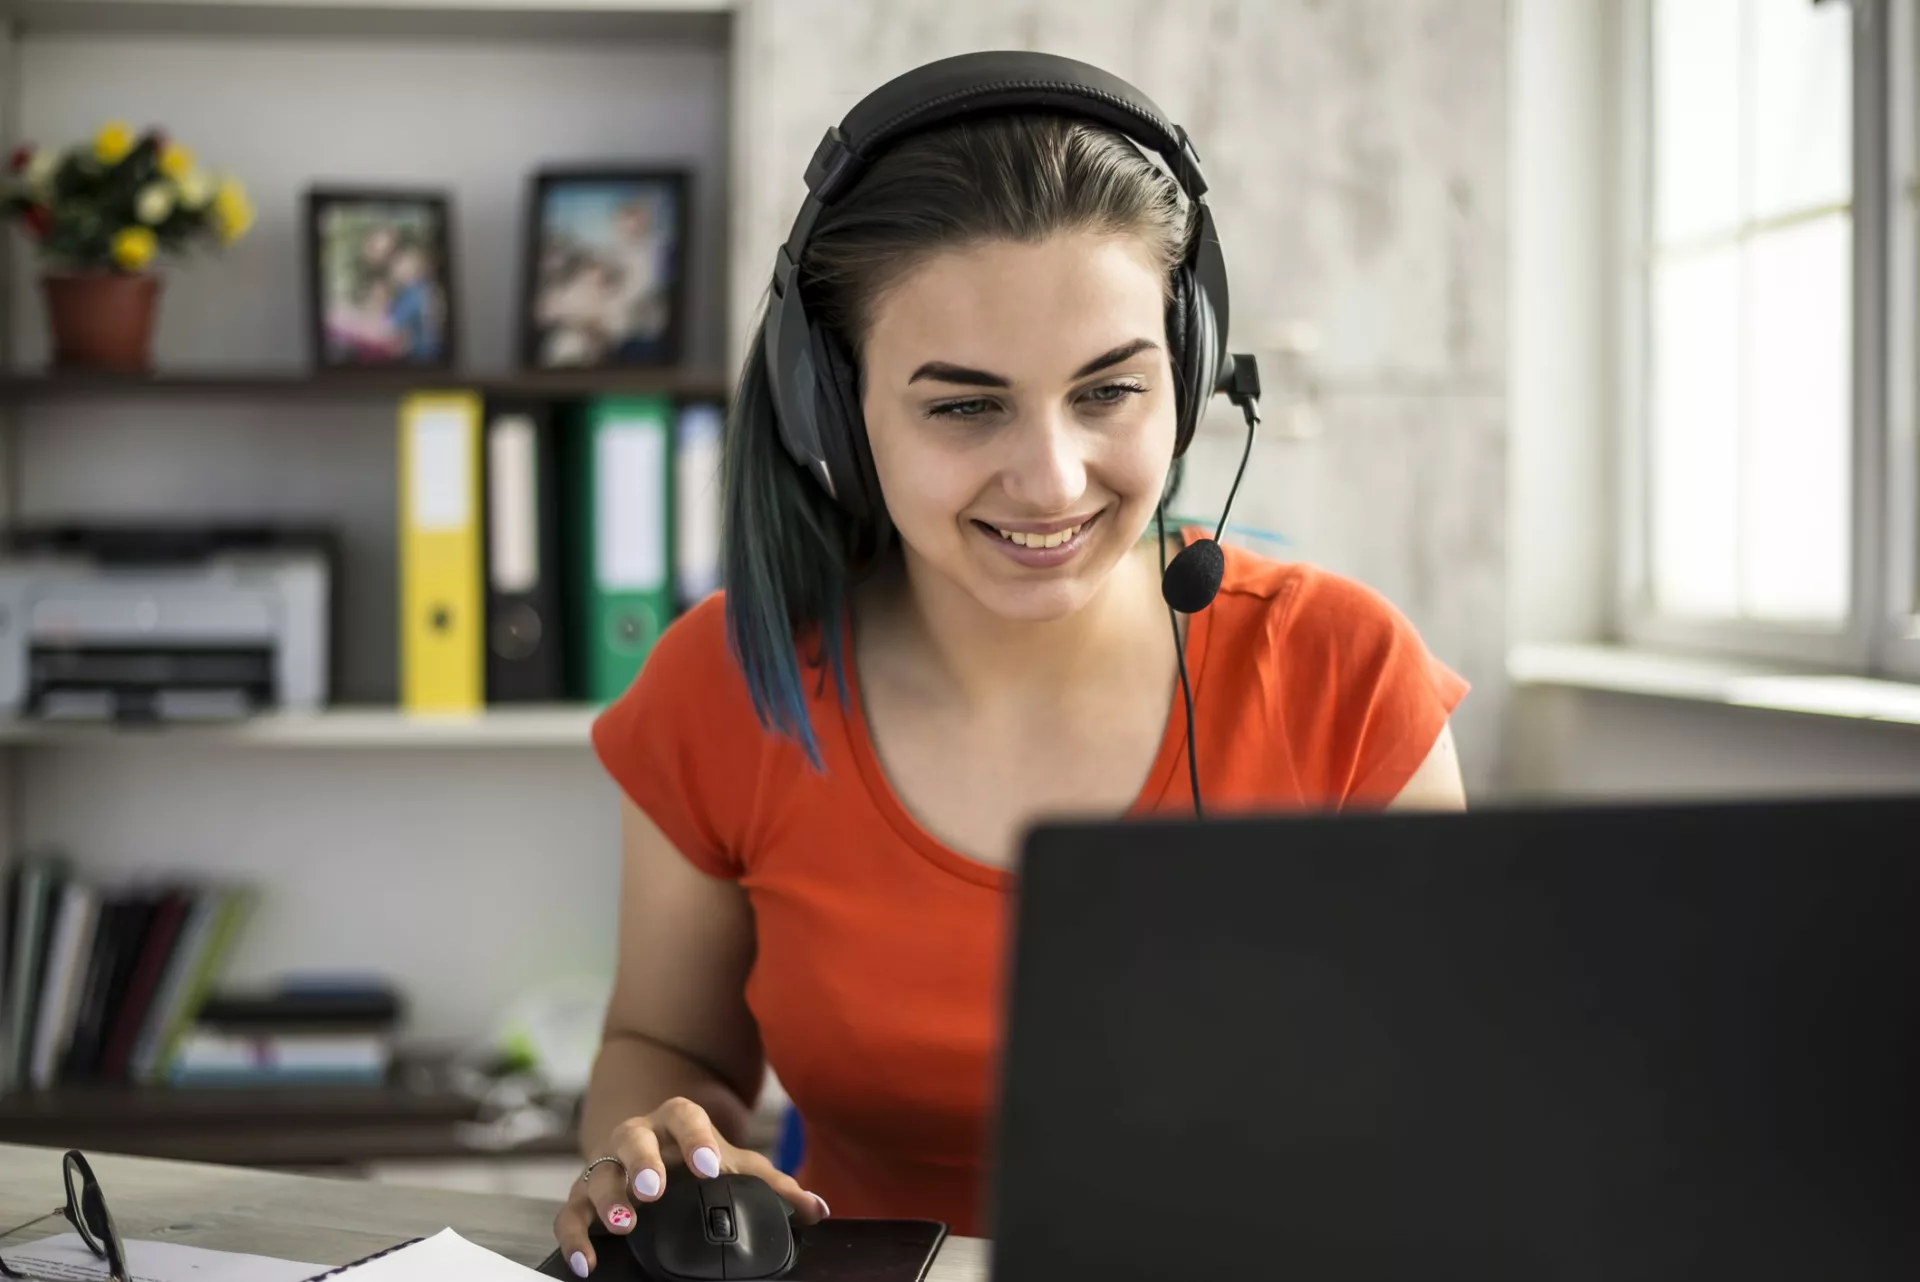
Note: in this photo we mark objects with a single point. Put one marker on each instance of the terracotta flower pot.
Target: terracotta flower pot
(101, 320)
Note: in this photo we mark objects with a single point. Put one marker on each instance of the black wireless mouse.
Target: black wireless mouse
(731, 1226)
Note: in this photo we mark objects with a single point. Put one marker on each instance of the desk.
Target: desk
(300, 1217)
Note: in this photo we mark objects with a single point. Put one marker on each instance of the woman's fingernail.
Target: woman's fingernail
(620, 1217)
(578, 1263)
(647, 1183)
(706, 1161)
(825, 1210)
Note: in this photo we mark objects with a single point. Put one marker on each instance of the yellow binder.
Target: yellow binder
(442, 661)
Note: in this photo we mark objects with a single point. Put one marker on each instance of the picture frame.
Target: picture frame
(382, 287)
(604, 279)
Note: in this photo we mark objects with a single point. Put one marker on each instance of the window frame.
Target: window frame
(1897, 645)
(1865, 641)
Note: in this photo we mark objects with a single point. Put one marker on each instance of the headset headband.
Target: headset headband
(967, 85)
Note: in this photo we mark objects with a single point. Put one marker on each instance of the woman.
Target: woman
(826, 772)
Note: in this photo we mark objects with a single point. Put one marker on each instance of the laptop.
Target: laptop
(1654, 1043)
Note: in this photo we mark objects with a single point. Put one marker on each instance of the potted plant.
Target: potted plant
(101, 213)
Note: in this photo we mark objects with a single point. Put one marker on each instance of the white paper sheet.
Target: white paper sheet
(444, 1257)
(65, 1257)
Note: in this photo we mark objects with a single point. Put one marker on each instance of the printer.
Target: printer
(164, 623)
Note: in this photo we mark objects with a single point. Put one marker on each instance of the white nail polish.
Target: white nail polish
(647, 1183)
(825, 1210)
(578, 1263)
(706, 1161)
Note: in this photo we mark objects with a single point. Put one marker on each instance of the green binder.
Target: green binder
(622, 504)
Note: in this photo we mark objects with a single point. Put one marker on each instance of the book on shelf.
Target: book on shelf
(301, 1033)
(104, 982)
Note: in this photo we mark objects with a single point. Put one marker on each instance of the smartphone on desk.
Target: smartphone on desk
(845, 1250)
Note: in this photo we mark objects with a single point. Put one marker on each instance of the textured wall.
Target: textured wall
(1357, 152)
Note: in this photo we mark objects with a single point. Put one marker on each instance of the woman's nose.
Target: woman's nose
(1048, 472)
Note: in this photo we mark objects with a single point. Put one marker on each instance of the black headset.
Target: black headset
(815, 382)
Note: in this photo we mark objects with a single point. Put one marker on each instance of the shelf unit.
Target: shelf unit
(505, 806)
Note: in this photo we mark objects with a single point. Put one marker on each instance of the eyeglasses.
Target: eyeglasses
(86, 1210)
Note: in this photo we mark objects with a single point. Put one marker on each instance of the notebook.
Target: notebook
(444, 1257)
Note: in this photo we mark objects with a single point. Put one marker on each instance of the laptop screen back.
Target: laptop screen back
(1648, 1043)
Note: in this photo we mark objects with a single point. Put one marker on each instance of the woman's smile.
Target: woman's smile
(1039, 545)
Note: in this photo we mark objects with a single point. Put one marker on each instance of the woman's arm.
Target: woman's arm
(1436, 785)
(680, 1060)
(677, 1023)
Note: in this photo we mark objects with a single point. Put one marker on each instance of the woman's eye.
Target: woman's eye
(1114, 393)
(962, 409)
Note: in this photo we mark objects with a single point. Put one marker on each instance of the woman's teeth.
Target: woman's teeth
(1053, 540)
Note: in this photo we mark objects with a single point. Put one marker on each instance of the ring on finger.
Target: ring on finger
(600, 1161)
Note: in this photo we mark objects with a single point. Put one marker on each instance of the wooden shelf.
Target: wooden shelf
(275, 1125)
(255, 1126)
(349, 384)
(532, 726)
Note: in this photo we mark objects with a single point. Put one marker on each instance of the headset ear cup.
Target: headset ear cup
(844, 430)
(832, 417)
(1193, 352)
(1178, 292)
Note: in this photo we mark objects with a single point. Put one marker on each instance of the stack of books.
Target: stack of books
(303, 1033)
(102, 984)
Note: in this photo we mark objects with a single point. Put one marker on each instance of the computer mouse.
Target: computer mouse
(731, 1226)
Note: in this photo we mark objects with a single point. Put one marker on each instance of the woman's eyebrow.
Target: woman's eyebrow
(942, 372)
(1126, 351)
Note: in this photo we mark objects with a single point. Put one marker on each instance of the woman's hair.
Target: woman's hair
(790, 553)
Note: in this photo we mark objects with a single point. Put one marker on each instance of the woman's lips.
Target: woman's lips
(1037, 549)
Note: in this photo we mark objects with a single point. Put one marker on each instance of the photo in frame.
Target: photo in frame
(605, 268)
(381, 279)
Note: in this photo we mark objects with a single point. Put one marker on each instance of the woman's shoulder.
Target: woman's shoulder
(1351, 689)
(1297, 605)
(1334, 634)
(689, 687)
(695, 644)
(681, 742)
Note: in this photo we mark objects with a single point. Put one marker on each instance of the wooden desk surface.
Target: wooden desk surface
(300, 1217)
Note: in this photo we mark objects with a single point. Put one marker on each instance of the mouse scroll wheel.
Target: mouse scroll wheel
(720, 1224)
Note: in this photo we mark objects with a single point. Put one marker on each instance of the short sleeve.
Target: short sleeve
(682, 741)
(1369, 699)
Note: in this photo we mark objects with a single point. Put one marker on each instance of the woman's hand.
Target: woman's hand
(680, 1134)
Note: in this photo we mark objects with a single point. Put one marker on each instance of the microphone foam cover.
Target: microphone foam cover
(1193, 578)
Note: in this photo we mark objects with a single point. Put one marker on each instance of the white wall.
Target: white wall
(464, 874)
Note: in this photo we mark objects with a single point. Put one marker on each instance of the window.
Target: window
(1763, 266)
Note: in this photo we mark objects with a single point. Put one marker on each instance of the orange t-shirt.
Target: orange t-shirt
(877, 980)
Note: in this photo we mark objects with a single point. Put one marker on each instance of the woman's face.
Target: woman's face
(1020, 405)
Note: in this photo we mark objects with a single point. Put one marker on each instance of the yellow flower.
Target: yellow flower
(154, 203)
(176, 162)
(113, 142)
(232, 211)
(196, 189)
(133, 247)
